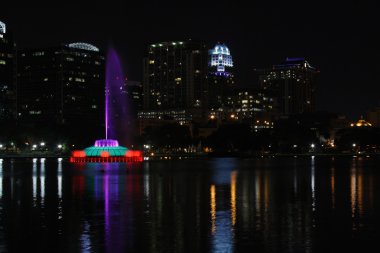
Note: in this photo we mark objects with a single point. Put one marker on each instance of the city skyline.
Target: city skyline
(341, 47)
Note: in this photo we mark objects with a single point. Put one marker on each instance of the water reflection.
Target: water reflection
(233, 197)
(221, 205)
(34, 178)
(332, 182)
(359, 192)
(42, 181)
(223, 217)
(313, 182)
(1, 179)
(85, 239)
(59, 178)
(213, 208)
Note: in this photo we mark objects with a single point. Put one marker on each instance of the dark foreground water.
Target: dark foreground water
(221, 205)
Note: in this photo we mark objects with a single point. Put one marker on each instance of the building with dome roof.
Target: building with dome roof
(63, 84)
(220, 60)
(220, 76)
(361, 123)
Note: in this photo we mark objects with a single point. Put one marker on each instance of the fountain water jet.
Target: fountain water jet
(108, 149)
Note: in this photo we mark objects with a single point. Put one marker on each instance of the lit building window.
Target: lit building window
(80, 80)
(35, 112)
(38, 53)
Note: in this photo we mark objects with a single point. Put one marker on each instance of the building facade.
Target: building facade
(175, 75)
(64, 84)
(134, 93)
(291, 85)
(7, 74)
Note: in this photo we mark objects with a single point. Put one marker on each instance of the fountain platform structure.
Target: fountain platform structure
(108, 150)
(105, 151)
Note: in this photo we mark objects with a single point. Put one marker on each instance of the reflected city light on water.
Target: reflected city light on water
(258, 194)
(353, 188)
(221, 205)
(332, 182)
(85, 239)
(34, 178)
(313, 182)
(213, 208)
(59, 189)
(1, 178)
(42, 182)
(223, 217)
(233, 197)
(356, 192)
(146, 184)
(59, 178)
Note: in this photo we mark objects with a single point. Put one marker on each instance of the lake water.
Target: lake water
(306, 204)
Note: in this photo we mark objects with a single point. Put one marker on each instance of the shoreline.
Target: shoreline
(202, 155)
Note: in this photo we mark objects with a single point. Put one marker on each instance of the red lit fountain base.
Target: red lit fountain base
(106, 151)
(114, 159)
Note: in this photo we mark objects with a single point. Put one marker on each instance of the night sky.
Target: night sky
(339, 39)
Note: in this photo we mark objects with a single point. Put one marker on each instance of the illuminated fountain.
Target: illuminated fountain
(108, 150)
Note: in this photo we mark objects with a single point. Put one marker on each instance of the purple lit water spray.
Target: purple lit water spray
(106, 109)
(116, 108)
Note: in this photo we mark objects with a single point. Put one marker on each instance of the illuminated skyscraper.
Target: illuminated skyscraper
(61, 84)
(220, 76)
(7, 74)
(175, 75)
(291, 86)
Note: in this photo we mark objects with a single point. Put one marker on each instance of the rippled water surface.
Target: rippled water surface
(305, 204)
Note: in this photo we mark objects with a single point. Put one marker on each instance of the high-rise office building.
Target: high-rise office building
(220, 76)
(63, 84)
(175, 75)
(291, 85)
(7, 74)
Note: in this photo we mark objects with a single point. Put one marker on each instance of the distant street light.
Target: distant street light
(42, 144)
(312, 145)
(353, 145)
(59, 146)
